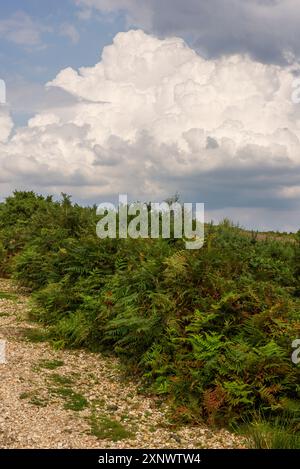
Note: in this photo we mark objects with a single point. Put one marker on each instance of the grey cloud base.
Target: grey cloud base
(268, 30)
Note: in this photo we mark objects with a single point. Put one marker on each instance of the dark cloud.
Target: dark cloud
(268, 30)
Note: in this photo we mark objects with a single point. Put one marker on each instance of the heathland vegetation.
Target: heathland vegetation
(211, 330)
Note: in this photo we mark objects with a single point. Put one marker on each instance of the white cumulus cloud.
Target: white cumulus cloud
(152, 118)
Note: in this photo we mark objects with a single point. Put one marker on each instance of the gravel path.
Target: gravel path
(77, 399)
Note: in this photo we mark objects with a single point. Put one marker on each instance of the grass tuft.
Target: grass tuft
(50, 364)
(73, 400)
(105, 428)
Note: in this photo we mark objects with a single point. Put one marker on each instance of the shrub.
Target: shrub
(209, 329)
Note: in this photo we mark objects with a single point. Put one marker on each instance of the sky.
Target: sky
(152, 98)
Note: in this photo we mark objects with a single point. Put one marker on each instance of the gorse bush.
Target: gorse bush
(210, 329)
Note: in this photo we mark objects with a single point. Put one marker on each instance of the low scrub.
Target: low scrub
(209, 329)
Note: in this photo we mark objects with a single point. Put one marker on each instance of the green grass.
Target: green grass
(50, 364)
(98, 403)
(25, 395)
(105, 428)
(36, 335)
(8, 296)
(61, 380)
(266, 436)
(73, 400)
(34, 398)
(281, 433)
(39, 401)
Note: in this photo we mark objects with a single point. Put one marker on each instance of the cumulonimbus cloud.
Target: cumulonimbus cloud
(153, 117)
